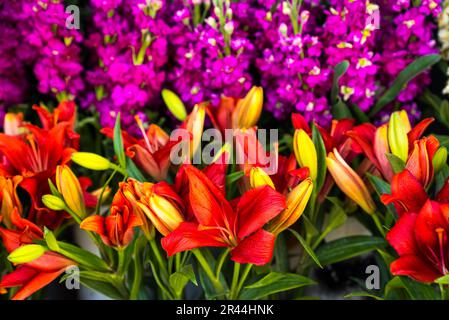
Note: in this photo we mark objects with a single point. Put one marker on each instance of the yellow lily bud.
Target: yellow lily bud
(174, 104)
(350, 182)
(164, 212)
(296, 202)
(258, 178)
(26, 253)
(70, 189)
(305, 152)
(9, 199)
(398, 128)
(53, 202)
(248, 110)
(91, 161)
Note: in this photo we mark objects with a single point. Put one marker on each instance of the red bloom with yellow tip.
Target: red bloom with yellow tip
(36, 274)
(422, 241)
(219, 223)
(117, 229)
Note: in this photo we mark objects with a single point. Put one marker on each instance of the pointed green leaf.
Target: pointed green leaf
(306, 247)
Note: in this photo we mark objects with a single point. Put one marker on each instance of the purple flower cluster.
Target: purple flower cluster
(212, 53)
(407, 33)
(128, 41)
(34, 34)
(290, 66)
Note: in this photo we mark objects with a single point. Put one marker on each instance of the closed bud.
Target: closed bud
(398, 128)
(439, 159)
(305, 152)
(248, 110)
(296, 202)
(53, 202)
(91, 161)
(26, 253)
(70, 189)
(258, 178)
(174, 104)
(350, 182)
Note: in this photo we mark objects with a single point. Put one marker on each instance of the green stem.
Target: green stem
(220, 263)
(137, 269)
(100, 198)
(378, 224)
(235, 280)
(243, 279)
(121, 265)
(159, 257)
(208, 270)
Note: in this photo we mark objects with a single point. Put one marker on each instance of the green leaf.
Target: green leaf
(349, 247)
(359, 114)
(340, 110)
(362, 294)
(54, 190)
(133, 171)
(273, 283)
(443, 280)
(396, 163)
(118, 143)
(400, 286)
(411, 71)
(306, 247)
(83, 257)
(379, 185)
(339, 70)
(281, 254)
(336, 218)
(321, 157)
(179, 279)
(105, 288)
(233, 177)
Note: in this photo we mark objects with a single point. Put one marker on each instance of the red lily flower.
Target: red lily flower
(218, 223)
(35, 156)
(421, 240)
(407, 193)
(36, 274)
(374, 143)
(117, 229)
(420, 159)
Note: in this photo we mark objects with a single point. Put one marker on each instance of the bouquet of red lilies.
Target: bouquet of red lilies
(169, 216)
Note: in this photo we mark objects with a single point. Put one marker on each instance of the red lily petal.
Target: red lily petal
(95, 224)
(188, 236)
(407, 193)
(299, 122)
(402, 235)
(36, 283)
(256, 249)
(18, 277)
(429, 219)
(443, 194)
(50, 262)
(128, 140)
(418, 131)
(414, 267)
(256, 207)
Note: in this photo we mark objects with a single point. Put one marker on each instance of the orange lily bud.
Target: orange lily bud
(117, 229)
(133, 191)
(398, 128)
(248, 110)
(9, 199)
(420, 161)
(70, 189)
(305, 152)
(381, 148)
(12, 124)
(296, 202)
(162, 206)
(258, 178)
(350, 182)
